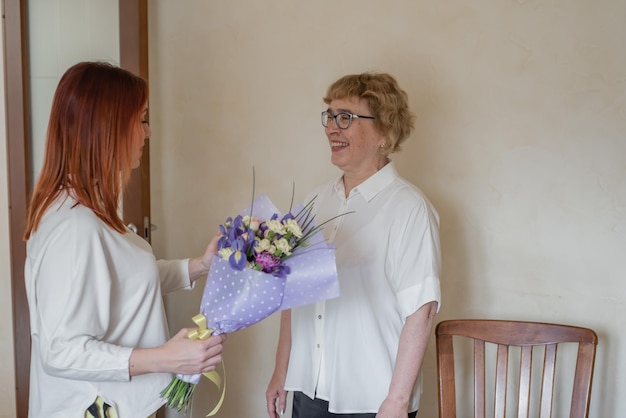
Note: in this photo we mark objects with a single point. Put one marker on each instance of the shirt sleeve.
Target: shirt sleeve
(73, 297)
(417, 260)
(174, 275)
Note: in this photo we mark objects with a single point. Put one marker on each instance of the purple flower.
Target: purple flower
(237, 260)
(267, 261)
(281, 271)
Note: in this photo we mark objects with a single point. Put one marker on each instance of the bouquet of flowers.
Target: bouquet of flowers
(266, 262)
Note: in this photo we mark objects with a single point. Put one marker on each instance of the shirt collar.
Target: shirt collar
(374, 184)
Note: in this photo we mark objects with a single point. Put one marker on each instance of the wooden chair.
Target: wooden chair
(500, 336)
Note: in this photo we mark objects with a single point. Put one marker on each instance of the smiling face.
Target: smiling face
(356, 150)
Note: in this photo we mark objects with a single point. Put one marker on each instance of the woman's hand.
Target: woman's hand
(185, 356)
(199, 266)
(276, 392)
(179, 355)
(392, 409)
(276, 388)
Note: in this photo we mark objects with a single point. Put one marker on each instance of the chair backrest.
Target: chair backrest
(526, 336)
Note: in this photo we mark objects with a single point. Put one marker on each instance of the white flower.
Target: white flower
(263, 245)
(252, 223)
(276, 227)
(283, 246)
(293, 227)
(225, 252)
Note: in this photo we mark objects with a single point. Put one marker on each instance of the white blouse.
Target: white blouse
(388, 263)
(94, 294)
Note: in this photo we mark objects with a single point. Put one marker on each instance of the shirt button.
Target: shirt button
(318, 346)
(319, 316)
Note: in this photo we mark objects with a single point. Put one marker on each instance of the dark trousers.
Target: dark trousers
(305, 407)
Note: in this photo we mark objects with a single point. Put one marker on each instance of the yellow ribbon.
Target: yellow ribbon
(202, 333)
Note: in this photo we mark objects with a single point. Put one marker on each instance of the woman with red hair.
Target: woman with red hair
(98, 327)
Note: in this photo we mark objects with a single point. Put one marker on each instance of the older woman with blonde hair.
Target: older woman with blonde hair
(360, 355)
(100, 343)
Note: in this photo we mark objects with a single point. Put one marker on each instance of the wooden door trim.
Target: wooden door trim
(18, 165)
(134, 57)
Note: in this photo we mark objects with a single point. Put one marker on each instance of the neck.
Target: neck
(352, 180)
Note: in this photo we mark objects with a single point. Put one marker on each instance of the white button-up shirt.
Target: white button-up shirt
(388, 262)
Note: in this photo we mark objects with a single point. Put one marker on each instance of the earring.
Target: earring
(382, 145)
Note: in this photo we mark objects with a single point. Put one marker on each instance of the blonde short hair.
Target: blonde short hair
(385, 99)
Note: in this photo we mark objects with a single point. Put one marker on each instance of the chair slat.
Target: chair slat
(547, 384)
(524, 382)
(479, 379)
(502, 368)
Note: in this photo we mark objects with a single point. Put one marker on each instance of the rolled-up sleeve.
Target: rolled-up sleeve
(417, 261)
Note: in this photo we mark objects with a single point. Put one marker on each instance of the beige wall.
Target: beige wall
(519, 143)
(7, 365)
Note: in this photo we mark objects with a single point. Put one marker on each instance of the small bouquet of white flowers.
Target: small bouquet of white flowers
(266, 262)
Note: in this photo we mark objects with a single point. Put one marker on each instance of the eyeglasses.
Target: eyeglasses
(342, 119)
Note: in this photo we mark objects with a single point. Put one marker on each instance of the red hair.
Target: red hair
(94, 118)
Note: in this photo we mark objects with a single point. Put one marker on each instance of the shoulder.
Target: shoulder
(68, 233)
(406, 192)
(66, 218)
(401, 199)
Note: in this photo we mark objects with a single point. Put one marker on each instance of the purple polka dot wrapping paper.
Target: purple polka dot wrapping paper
(233, 300)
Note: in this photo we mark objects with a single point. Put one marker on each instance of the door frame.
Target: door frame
(18, 168)
(134, 57)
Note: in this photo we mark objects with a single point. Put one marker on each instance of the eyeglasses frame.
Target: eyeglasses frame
(334, 117)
